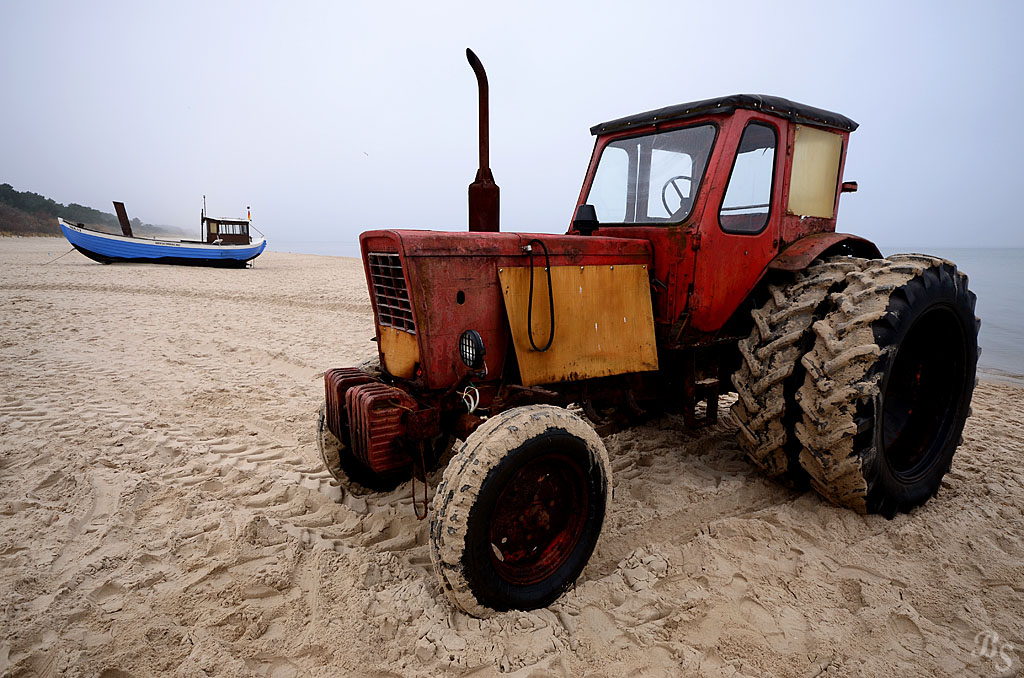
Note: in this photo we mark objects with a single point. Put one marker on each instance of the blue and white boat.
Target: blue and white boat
(226, 243)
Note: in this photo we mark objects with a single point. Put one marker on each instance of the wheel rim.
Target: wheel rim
(538, 519)
(922, 394)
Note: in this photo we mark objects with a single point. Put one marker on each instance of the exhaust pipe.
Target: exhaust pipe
(483, 192)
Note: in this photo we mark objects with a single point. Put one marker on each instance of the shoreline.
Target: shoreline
(985, 372)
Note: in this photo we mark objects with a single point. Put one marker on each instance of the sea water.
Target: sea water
(996, 276)
(328, 248)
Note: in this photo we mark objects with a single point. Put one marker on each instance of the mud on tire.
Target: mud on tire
(519, 510)
(770, 371)
(889, 384)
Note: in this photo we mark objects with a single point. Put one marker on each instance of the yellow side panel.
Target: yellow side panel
(812, 185)
(400, 351)
(603, 321)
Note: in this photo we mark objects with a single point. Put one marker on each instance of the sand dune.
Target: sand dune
(164, 512)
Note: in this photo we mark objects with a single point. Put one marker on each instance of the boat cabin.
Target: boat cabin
(218, 231)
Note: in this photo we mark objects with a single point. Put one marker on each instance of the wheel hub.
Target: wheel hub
(922, 393)
(538, 519)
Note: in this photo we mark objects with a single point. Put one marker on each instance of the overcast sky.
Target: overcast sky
(334, 118)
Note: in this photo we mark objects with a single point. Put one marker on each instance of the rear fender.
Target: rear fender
(796, 257)
(799, 254)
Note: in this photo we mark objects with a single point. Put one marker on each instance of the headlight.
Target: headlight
(471, 349)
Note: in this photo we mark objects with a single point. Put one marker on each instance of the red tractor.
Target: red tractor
(702, 259)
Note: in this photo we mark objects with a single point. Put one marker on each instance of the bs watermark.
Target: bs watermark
(987, 645)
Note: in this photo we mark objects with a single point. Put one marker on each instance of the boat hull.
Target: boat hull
(108, 249)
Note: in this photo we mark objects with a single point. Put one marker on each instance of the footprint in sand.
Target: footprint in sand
(109, 597)
(906, 632)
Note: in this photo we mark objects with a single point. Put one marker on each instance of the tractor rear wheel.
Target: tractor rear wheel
(519, 510)
(770, 371)
(889, 384)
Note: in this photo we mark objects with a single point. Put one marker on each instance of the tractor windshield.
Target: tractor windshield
(652, 178)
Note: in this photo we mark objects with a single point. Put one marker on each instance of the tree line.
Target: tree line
(27, 213)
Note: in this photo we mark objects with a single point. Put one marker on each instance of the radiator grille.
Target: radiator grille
(390, 294)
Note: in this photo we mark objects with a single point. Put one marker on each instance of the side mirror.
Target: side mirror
(849, 187)
(585, 221)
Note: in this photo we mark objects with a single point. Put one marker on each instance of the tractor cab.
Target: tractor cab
(741, 177)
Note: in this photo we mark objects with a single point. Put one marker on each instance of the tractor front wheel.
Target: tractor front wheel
(888, 385)
(519, 510)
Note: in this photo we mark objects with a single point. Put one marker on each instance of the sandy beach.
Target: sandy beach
(163, 512)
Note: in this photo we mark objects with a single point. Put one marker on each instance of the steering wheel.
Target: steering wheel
(664, 192)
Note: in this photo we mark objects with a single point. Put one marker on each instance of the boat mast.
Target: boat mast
(122, 217)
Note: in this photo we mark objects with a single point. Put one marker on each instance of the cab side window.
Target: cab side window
(747, 201)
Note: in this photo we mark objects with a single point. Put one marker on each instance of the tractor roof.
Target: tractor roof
(784, 108)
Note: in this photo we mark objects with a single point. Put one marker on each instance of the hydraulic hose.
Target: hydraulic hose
(551, 298)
